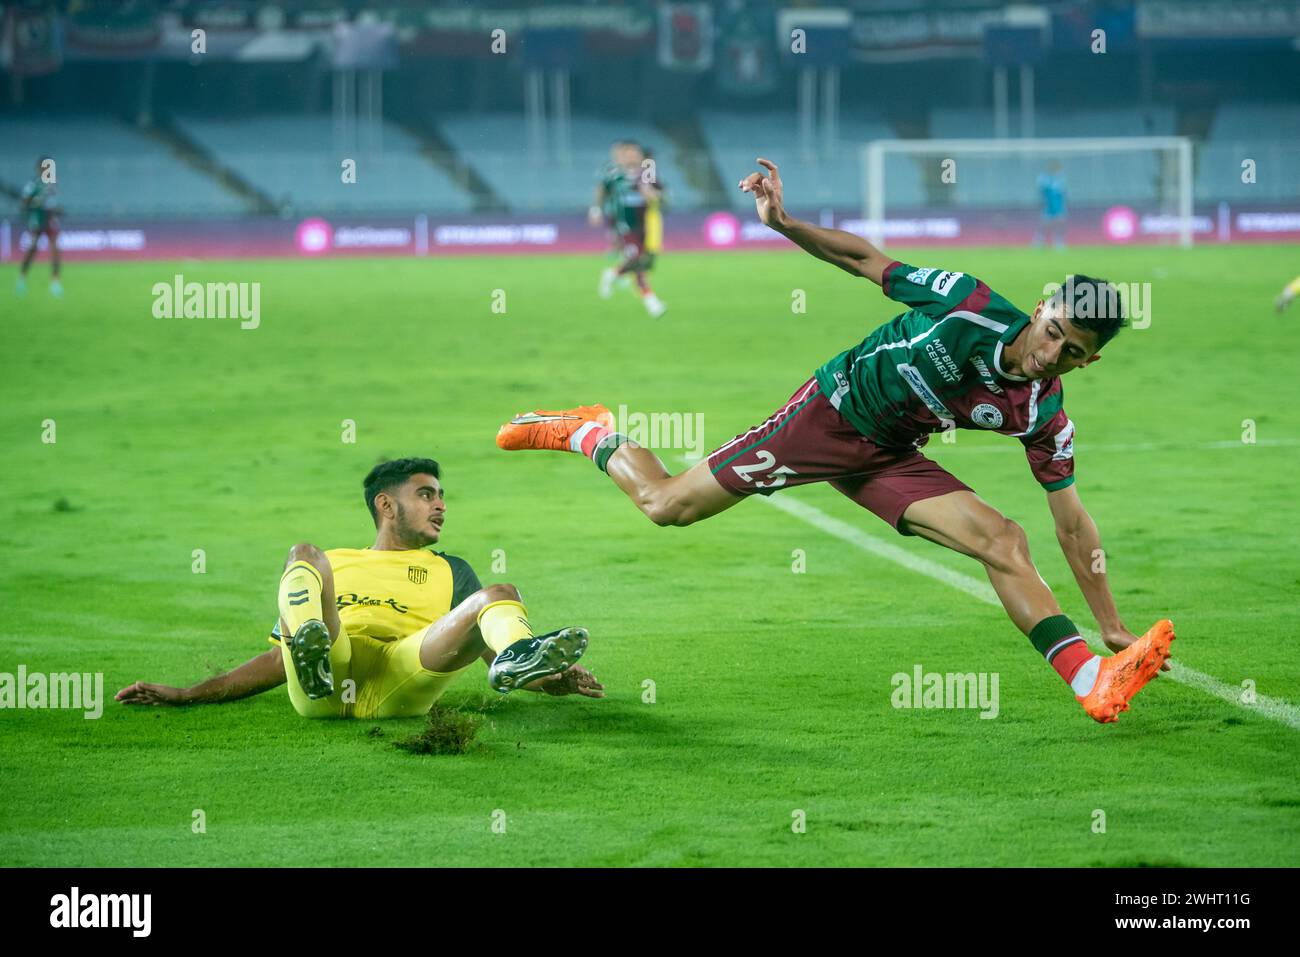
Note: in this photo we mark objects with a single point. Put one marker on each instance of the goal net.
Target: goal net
(1110, 182)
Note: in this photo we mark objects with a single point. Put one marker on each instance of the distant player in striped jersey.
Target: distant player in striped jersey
(631, 193)
(41, 209)
(602, 211)
(960, 356)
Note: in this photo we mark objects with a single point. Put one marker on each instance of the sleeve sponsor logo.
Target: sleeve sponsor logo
(920, 276)
(944, 282)
(1064, 443)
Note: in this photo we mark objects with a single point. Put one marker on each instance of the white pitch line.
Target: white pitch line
(1274, 708)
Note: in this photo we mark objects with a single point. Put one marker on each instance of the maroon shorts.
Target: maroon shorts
(50, 229)
(807, 440)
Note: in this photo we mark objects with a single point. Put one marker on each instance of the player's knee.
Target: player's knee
(1007, 546)
(500, 592)
(307, 552)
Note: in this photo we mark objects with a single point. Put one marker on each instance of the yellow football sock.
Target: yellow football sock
(300, 589)
(503, 623)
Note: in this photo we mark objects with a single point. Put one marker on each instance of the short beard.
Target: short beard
(409, 536)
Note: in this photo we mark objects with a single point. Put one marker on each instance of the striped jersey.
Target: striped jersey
(624, 205)
(41, 202)
(938, 366)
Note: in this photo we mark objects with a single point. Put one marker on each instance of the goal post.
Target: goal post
(1166, 183)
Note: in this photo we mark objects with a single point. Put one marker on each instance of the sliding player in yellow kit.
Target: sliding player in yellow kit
(381, 632)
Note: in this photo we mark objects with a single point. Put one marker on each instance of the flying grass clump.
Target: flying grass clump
(447, 731)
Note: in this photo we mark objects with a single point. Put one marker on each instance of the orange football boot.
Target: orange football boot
(543, 429)
(1123, 675)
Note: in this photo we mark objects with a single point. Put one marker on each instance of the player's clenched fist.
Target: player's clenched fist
(767, 193)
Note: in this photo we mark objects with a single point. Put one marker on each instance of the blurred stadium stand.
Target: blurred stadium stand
(1268, 133)
(821, 174)
(558, 175)
(108, 169)
(260, 123)
(297, 162)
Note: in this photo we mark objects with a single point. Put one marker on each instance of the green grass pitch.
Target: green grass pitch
(771, 688)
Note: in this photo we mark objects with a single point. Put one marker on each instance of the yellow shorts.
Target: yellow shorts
(654, 230)
(372, 679)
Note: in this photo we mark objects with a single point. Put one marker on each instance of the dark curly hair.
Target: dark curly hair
(387, 475)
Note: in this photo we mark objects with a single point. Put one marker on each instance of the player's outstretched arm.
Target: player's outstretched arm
(851, 253)
(259, 674)
(1081, 543)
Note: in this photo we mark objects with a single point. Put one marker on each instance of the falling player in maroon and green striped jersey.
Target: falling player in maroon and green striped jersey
(961, 356)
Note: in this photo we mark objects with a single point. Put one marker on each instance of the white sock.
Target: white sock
(575, 440)
(1086, 677)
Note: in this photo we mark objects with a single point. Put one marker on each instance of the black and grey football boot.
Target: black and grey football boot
(532, 658)
(310, 650)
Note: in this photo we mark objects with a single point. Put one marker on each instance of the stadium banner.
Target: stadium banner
(113, 30)
(364, 46)
(1072, 27)
(685, 37)
(815, 37)
(421, 235)
(903, 33)
(1273, 21)
(546, 48)
(746, 52)
(32, 43)
(466, 31)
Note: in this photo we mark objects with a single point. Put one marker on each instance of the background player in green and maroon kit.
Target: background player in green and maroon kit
(961, 356)
(603, 210)
(630, 201)
(41, 209)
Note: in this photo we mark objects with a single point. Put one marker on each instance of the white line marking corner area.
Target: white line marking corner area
(1274, 708)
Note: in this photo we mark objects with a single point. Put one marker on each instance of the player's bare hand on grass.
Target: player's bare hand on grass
(144, 693)
(768, 193)
(574, 680)
(1118, 640)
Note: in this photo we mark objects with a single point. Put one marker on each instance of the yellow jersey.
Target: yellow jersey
(387, 595)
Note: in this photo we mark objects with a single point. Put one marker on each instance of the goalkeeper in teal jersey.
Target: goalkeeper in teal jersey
(959, 356)
(41, 211)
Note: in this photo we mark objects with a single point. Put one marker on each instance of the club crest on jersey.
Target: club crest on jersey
(417, 575)
(986, 416)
